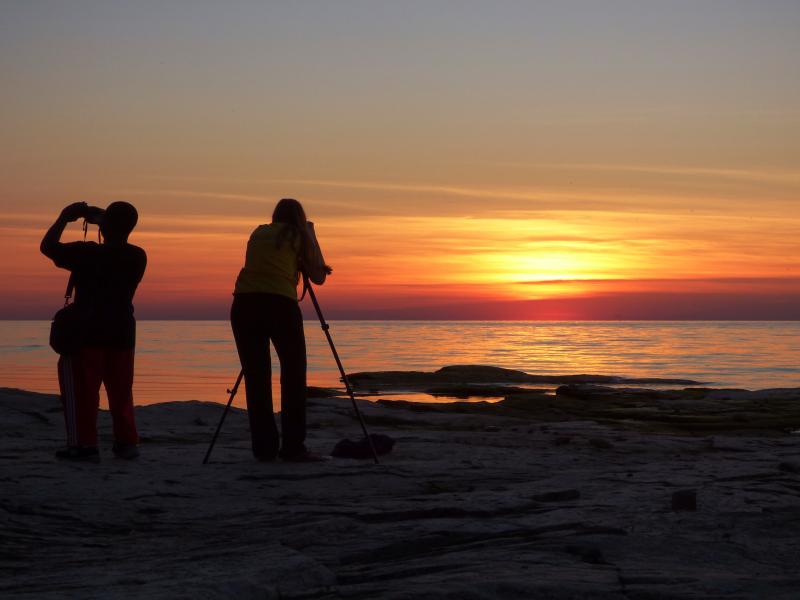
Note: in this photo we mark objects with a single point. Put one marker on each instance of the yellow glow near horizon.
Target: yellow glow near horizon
(545, 275)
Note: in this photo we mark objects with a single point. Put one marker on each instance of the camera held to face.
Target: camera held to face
(94, 215)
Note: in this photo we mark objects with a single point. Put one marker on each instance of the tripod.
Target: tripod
(326, 329)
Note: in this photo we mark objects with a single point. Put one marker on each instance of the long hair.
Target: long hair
(290, 212)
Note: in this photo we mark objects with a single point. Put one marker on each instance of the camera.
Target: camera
(94, 215)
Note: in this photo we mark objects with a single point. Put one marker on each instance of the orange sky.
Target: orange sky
(636, 165)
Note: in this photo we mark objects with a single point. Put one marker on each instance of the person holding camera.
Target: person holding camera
(265, 308)
(105, 277)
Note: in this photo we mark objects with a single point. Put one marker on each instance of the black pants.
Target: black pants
(256, 319)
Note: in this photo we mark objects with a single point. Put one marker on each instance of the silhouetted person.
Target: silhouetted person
(106, 276)
(265, 307)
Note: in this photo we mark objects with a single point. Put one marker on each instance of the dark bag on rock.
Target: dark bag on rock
(349, 449)
(68, 326)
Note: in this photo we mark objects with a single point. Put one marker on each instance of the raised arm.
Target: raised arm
(52, 239)
(317, 270)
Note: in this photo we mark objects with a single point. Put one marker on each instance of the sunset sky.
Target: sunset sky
(500, 160)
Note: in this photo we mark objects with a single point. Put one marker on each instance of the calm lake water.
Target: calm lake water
(182, 360)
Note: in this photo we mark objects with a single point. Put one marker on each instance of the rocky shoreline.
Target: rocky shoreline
(593, 492)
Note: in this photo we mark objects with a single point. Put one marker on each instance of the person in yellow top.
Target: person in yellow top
(264, 309)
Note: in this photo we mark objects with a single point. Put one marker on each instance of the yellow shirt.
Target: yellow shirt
(268, 269)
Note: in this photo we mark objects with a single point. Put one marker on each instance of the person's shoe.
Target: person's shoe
(304, 457)
(79, 453)
(125, 451)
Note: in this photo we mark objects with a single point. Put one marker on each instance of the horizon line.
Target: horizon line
(467, 319)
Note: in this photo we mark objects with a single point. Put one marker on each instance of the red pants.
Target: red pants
(79, 378)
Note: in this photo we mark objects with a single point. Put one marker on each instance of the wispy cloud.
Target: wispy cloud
(793, 281)
(193, 194)
(757, 175)
(220, 201)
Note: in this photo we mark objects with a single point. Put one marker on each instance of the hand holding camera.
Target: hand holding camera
(81, 210)
(94, 215)
(74, 211)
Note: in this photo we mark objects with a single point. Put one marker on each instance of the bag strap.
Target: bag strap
(71, 282)
(70, 288)
(305, 286)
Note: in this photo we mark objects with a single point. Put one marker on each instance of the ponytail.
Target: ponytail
(295, 231)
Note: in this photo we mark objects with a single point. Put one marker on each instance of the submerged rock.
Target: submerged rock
(689, 410)
(321, 392)
(468, 390)
(484, 374)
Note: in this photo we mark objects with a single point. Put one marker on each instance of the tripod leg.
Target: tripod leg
(232, 393)
(325, 328)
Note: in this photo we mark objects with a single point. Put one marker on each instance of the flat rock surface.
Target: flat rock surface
(471, 504)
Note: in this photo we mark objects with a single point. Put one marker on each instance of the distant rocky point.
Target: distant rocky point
(605, 399)
(476, 380)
